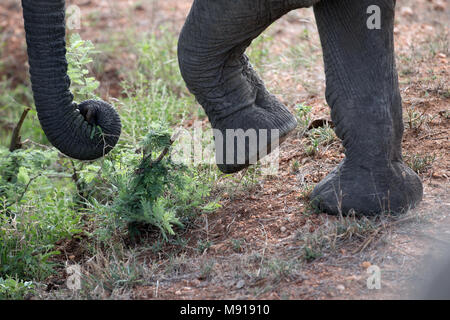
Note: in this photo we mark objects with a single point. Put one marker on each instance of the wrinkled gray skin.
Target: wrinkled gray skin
(362, 91)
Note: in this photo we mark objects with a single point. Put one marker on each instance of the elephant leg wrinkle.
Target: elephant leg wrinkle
(364, 97)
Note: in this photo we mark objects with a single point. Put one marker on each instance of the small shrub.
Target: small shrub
(33, 216)
(303, 113)
(12, 289)
(420, 163)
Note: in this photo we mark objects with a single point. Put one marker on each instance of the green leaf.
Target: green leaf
(22, 176)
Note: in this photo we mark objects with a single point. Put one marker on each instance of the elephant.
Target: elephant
(362, 91)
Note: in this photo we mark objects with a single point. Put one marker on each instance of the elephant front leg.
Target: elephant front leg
(213, 64)
(363, 94)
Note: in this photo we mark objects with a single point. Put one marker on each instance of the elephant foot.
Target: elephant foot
(368, 191)
(247, 136)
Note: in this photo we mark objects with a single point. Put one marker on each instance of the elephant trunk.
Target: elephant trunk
(86, 131)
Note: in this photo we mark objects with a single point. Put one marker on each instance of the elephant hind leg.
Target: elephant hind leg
(213, 64)
(363, 93)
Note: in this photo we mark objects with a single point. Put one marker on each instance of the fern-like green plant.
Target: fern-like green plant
(79, 55)
(153, 190)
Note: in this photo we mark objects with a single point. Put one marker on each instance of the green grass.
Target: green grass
(319, 138)
(12, 289)
(417, 120)
(420, 163)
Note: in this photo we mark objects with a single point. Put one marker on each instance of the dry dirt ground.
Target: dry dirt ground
(264, 243)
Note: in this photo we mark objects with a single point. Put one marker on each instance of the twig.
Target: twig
(15, 139)
(162, 155)
(75, 177)
(43, 146)
(432, 135)
(157, 160)
(81, 189)
(24, 191)
(264, 249)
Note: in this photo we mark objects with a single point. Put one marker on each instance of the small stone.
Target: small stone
(406, 11)
(340, 287)
(240, 284)
(353, 278)
(218, 248)
(439, 5)
(438, 175)
(283, 229)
